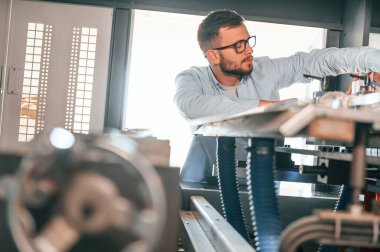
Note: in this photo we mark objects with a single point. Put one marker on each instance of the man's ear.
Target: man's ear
(213, 57)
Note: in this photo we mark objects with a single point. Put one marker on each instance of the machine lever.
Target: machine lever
(313, 77)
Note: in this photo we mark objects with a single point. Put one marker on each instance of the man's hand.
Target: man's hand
(267, 102)
(375, 77)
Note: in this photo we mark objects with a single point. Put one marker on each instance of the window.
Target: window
(164, 44)
(277, 40)
(81, 79)
(34, 86)
(374, 40)
(35, 80)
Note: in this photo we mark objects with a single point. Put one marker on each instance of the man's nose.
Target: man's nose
(248, 49)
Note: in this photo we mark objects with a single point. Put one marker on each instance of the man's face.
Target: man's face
(232, 62)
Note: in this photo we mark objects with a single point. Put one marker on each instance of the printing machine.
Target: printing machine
(344, 129)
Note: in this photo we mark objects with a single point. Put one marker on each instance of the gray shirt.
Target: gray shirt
(198, 93)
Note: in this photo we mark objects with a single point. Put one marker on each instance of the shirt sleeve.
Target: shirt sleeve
(325, 62)
(193, 103)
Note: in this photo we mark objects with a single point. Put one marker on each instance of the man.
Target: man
(234, 82)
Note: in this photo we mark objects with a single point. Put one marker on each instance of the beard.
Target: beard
(229, 67)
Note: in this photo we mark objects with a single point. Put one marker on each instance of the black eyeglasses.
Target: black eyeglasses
(240, 45)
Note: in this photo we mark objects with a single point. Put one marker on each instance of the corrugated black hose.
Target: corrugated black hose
(262, 194)
(228, 185)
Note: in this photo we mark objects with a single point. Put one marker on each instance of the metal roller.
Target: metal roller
(85, 192)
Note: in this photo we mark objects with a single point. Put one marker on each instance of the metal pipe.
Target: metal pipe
(358, 165)
(339, 228)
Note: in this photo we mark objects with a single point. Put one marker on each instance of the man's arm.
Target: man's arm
(325, 62)
(193, 103)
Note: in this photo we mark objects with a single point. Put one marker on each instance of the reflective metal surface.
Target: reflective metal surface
(220, 233)
(292, 121)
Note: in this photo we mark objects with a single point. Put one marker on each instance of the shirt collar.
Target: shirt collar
(212, 77)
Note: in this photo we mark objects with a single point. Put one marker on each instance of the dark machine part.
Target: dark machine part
(337, 172)
(324, 86)
(260, 180)
(83, 193)
(332, 164)
(228, 185)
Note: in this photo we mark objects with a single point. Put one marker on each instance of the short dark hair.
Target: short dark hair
(208, 30)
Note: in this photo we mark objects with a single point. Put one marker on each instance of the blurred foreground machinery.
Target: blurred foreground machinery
(83, 193)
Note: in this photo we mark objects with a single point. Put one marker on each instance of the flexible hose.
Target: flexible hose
(228, 186)
(262, 194)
